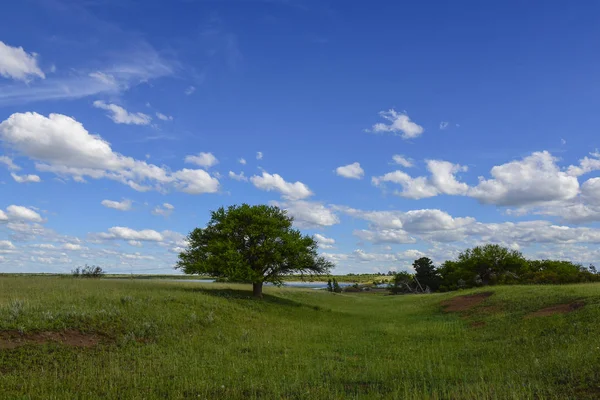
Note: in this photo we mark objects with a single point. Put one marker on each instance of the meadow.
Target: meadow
(67, 338)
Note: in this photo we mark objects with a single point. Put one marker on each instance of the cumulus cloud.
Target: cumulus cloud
(443, 125)
(259, 155)
(384, 236)
(288, 190)
(586, 165)
(441, 181)
(124, 233)
(124, 205)
(17, 64)
(353, 171)
(72, 247)
(119, 115)
(398, 123)
(238, 177)
(25, 178)
(164, 117)
(20, 213)
(308, 214)
(401, 160)
(62, 145)
(165, 210)
(6, 245)
(242, 161)
(534, 179)
(204, 160)
(437, 226)
(9, 163)
(324, 242)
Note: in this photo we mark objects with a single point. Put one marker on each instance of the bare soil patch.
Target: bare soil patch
(71, 337)
(557, 309)
(464, 303)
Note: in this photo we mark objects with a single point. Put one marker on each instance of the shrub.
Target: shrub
(88, 271)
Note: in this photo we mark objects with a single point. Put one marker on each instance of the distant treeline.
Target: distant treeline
(488, 265)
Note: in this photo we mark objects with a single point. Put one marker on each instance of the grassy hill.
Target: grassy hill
(146, 339)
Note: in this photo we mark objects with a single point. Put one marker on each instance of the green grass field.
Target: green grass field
(176, 340)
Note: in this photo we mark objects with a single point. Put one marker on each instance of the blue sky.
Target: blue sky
(389, 130)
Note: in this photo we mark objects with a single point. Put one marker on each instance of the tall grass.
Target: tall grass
(180, 340)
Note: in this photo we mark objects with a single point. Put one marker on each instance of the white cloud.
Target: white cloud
(106, 79)
(124, 69)
(384, 236)
(401, 160)
(72, 247)
(20, 213)
(242, 161)
(63, 146)
(204, 160)
(136, 256)
(6, 245)
(398, 122)
(9, 163)
(324, 242)
(441, 181)
(164, 117)
(291, 191)
(238, 177)
(165, 210)
(190, 90)
(195, 181)
(26, 178)
(121, 116)
(124, 205)
(534, 179)
(353, 171)
(259, 155)
(135, 243)
(586, 165)
(17, 64)
(124, 233)
(308, 214)
(444, 125)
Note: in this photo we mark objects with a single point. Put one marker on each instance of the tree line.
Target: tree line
(490, 264)
(258, 244)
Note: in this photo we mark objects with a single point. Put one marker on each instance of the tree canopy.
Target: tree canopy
(253, 244)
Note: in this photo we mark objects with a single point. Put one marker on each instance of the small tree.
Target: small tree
(253, 244)
(329, 286)
(426, 274)
(336, 286)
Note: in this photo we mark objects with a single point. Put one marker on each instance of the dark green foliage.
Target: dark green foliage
(88, 271)
(336, 286)
(403, 282)
(329, 286)
(426, 275)
(494, 264)
(253, 244)
(551, 271)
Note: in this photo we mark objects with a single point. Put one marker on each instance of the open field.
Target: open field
(145, 339)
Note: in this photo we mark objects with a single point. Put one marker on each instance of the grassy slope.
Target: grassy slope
(184, 340)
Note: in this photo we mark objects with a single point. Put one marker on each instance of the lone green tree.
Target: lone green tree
(253, 244)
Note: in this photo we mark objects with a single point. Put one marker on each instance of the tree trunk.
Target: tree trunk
(257, 290)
